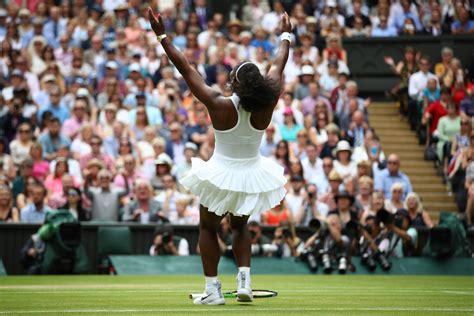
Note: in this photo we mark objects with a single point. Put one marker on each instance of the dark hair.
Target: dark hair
(256, 92)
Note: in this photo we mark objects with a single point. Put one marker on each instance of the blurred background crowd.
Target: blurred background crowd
(95, 119)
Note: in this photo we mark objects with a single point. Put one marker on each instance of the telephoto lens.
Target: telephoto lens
(383, 261)
(327, 263)
(342, 265)
(368, 261)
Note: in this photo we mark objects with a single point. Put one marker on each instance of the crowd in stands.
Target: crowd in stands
(96, 120)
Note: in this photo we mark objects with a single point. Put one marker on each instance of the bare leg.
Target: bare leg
(240, 240)
(208, 244)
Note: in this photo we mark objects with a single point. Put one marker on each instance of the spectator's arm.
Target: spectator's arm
(427, 219)
(412, 90)
(400, 232)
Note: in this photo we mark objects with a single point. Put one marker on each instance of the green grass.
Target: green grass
(298, 295)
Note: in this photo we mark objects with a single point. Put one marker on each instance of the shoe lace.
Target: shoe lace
(242, 279)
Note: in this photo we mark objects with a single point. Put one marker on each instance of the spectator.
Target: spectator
(418, 217)
(289, 129)
(365, 188)
(432, 93)
(143, 208)
(383, 29)
(19, 184)
(462, 25)
(310, 207)
(72, 164)
(314, 98)
(96, 152)
(168, 196)
(289, 245)
(7, 168)
(448, 127)
(74, 205)
(261, 244)
(436, 110)
(73, 125)
(175, 144)
(335, 182)
(277, 215)
(305, 78)
(396, 201)
(343, 164)
(53, 139)
(8, 212)
(55, 106)
(312, 164)
(294, 197)
(166, 243)
(282, 155)
(190, 151)
(184, 214)
(105, 198)
(345, 208)
(59, 198)
(270, 140)
(35, 212)
(376, 205)
(40, 166)
(54, 181)
(391, 175)
(20, 148)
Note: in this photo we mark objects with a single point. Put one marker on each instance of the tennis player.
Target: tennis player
(236, 180)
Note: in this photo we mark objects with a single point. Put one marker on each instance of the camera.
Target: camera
(310, 258)
(166, 237)
(385, 217)
(319, 226)
(286, 233)
(253, 234)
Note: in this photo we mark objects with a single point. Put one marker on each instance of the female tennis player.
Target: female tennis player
(236, 180)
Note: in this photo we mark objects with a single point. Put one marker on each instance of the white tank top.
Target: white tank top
(241, 141)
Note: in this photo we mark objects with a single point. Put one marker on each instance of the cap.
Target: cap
(111, 64)
(163, 159)
(288, 111)
(24, 12)
(191, 146)
(82, 92)
(140, 95)
(307, 70)
(134, 67)
(49, 78)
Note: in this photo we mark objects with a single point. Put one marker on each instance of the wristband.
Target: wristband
(161, 37)
(285, 36)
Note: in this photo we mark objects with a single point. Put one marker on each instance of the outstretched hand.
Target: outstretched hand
(285, 23)
(156, 22)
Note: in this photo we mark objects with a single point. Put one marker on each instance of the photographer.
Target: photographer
(327, 246)
(310, 207)
(165, 243)
(260, 244)
(289, 245)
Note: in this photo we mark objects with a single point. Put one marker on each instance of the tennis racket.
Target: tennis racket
(233, 294)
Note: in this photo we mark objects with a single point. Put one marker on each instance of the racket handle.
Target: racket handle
(194, 296)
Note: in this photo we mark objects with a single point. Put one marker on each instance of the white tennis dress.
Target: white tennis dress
(237, 179)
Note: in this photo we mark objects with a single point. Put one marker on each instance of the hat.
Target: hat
(111, 64)
(110, 106)
(334, 176)
(342, 145)
(307, 70)
(17, 73)
(134, 67)
(311, 20)
(246, 34)
(94, 162)
(3, 13)
(331, 3)
(288, 111)
(24, 12)
(234, 22)
(191, 146)
(82, 92)
(121, 7)
(163, 159)
(344, 195)
(49, 78)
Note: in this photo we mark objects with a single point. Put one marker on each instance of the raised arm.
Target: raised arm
(196, 83)
(279, 62)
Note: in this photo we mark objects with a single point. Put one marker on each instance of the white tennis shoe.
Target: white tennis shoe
(212, 296)
(244, 289)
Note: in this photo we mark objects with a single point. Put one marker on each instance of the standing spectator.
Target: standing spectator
(35, 212)
(53, 139)
(391, 175)
(105, 198)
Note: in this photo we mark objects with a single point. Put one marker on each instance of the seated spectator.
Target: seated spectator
(40, 166)
(8, 212)
(462, 25)
(163, 166)
(166, 243)
(431, 93)
(276, 215)
(184, 213)
(289, 245)
(371, 150)
(73, 125)
(329, 80)
(26, 171)
(261, 245)
(345, 167)
(459, 144)
(57, 199)
(175, 144)
(8, 168)
(448, 127)
(168, 196)
(31, 254)
(105, 198)
(74, 205)
(53, 181)
(308, 104)
(357, 128)
(333, 139)
(72, 164)
(358, 29)
(322, 179)
(467, 104)
(296, 193)
(312, 164)
(396, 201)
(306, 76)
(391, 175)
(269, 141)
(345, 208)
(81, 145)
(190, 151)
(55, 106)
(335, 182)
(365, 186)
(435, 25)
(418, 216)
(437, 110)
(310, 207)
(376, 205)
(143, 208)
(53, 140)
(334, 46)
(20, 147)
(383, 29)
(96, 152)
(35, 212)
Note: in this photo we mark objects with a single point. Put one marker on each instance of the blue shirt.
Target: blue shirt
(399, 21)
(469, 26)
(384, 182)
(153, 114)
(48, 32)
(432, 96)
(389, 31)
(289, 134)
(51, 146)
(30, 214)
(131, 100)
(61, 112)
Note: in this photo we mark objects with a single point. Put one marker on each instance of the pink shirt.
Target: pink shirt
(71, 126)
(55, 185)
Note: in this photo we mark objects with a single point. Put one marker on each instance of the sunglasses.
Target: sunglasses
(73, 193)
(24, 131)
(393, 162)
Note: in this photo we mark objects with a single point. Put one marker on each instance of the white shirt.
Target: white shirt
(311, 171)
(270, 21)
(345, 172)
(418, 82)
(294, 201)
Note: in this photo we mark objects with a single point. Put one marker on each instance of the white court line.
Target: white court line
(220, 309)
